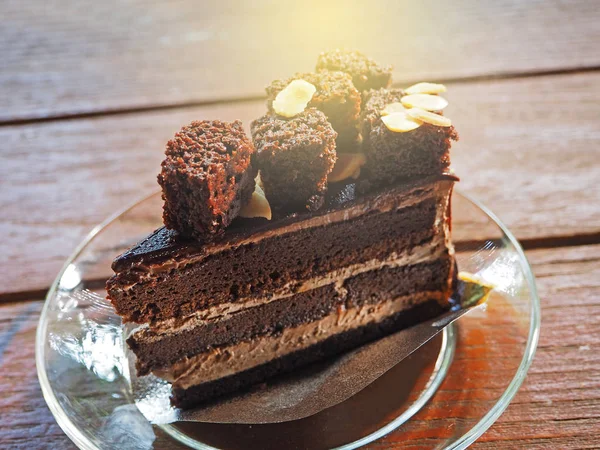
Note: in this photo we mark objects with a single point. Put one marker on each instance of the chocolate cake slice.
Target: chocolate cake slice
(267, 297)
(328, 253)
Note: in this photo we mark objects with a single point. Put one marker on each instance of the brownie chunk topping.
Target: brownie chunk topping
(206, 177)
(365, 73)
(393, 156)
(336, 96)
(294, 157)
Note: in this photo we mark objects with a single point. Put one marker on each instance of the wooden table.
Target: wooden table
(90, 92)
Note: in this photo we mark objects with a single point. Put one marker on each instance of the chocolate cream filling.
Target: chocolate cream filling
(224, 361)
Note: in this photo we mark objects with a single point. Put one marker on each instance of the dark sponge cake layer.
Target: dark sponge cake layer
(234, 273)
(395, 156)
(206, 177)
(154, 350)
(334, 345)
(294, 157)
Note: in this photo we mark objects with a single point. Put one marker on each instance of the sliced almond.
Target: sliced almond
(347, 166)
(429, 117)
(292, 100)
(424, 101)
(426, 88)
(258, 181)
(392, 108)
(400, 122)
(258, 206)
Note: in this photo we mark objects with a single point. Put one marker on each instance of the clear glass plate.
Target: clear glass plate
(445, 395)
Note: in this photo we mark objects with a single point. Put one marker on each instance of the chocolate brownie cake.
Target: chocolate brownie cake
(355, 246)
(295, 155)
(206, 176)
(365, 72)
(392, 156)
(336, 97)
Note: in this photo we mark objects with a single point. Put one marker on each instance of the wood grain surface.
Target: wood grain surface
(70, 57)
(558, 406)
(526, 149)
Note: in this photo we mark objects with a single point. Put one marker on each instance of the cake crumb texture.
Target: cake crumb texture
(366, 73)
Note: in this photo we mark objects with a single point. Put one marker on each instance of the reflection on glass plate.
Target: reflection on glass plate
(85, 374)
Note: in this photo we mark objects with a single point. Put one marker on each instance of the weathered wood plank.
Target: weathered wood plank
(69, 57)
(528, 150)
(557, 407)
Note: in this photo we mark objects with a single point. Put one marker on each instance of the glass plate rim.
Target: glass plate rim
(78, 438)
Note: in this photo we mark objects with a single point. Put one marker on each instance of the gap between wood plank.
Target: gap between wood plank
(24, 296)
(251, 98)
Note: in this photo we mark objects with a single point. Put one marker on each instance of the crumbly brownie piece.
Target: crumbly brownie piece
(365, 73)
(294, 157)
(394, 156)
(206, 177)
(336, 96)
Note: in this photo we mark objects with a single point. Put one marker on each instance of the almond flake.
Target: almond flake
(258, 206)
(292, 100)
(429, 117)
(424, 101)
(400, 122)
(426, 88)
(392, 108)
